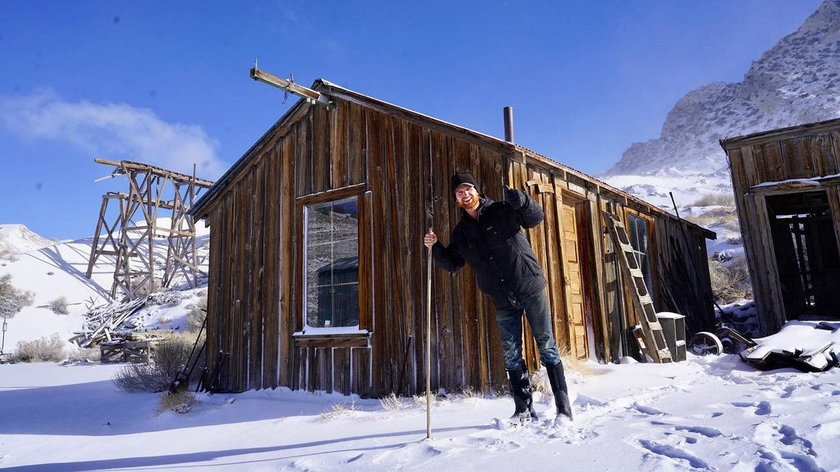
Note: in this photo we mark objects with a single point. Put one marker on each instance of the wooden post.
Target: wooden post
(429, 342)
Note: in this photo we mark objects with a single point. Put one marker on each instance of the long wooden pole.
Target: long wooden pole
(429, 342)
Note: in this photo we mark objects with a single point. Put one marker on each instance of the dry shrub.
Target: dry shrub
(197, 314)
(169, 358)
(730, 280)
(41, 350)
(80, 354)
(12, 300)
(59, 306)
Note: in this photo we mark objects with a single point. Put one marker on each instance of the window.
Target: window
(639, 239)
(331, 258)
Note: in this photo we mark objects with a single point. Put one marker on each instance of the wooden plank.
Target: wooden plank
(258, 260)
(820, 152)
(303, 157)
(341, 370)
(286, 245)
(773, 162)
(412, 219)
(465, 295)
(557, 268)
(270, 299)
(338, 144)
(384, 363)
(495, 378)
(239, 353)
(743, 169)
(356, 130)
(797, 162)
(832, 152)
(394, 275)
(361, 365)
(333, 340)
(450, 327)
(834, 203)
(766, 287)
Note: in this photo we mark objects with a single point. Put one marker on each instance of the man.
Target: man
(490, 239)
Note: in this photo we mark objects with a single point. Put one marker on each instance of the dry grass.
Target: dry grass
(719, 217)
(712, 199)
(339, 410)
(730, 280)
(179, 402)
(392, 402)
(539, 379)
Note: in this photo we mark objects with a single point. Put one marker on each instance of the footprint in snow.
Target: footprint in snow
(762, 408)
(647, 410)
(673, 454)
(781, 443)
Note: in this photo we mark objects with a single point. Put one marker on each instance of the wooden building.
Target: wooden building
(787, 191)
(318, 269)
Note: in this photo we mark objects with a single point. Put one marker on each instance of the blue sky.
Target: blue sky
(167, 82)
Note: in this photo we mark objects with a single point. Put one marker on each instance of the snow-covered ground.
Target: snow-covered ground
(706, 413)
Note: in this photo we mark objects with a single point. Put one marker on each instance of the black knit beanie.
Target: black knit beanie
(462, 178)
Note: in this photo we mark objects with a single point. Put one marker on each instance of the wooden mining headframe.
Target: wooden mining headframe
(133, 235)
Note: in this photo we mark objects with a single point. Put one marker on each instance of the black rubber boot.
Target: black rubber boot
(561, 392)
(520, 388)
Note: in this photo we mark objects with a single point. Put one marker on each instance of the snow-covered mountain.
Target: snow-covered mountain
(797, 81)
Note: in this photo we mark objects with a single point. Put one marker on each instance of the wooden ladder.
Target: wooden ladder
(653, 342)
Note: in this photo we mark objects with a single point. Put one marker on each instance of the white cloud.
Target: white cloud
(113, 131)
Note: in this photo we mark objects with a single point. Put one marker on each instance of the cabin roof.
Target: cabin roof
(330, 88)
(779, 134)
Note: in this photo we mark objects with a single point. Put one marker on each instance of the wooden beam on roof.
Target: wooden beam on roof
(311, 96)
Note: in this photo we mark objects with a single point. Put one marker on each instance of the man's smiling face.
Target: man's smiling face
(466, 196)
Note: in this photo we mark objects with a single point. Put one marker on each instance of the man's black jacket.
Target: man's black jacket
(496, 248)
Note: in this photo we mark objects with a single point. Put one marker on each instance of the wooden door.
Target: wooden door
(573, 281)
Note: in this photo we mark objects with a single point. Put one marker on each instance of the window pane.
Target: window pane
(639, 241)
(332, 263)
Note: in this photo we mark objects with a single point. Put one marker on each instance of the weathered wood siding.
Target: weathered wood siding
(400, 164)
(802, 152)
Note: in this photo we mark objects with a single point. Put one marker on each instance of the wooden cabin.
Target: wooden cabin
(787, 191)
(318, 268)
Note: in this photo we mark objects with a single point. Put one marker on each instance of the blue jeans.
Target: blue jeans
(509, 319)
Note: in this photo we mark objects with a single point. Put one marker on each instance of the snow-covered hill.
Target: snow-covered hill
(796, 81)
(57, 271)
(15, 239)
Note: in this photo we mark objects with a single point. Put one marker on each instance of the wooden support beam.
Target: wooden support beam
(311, 96)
